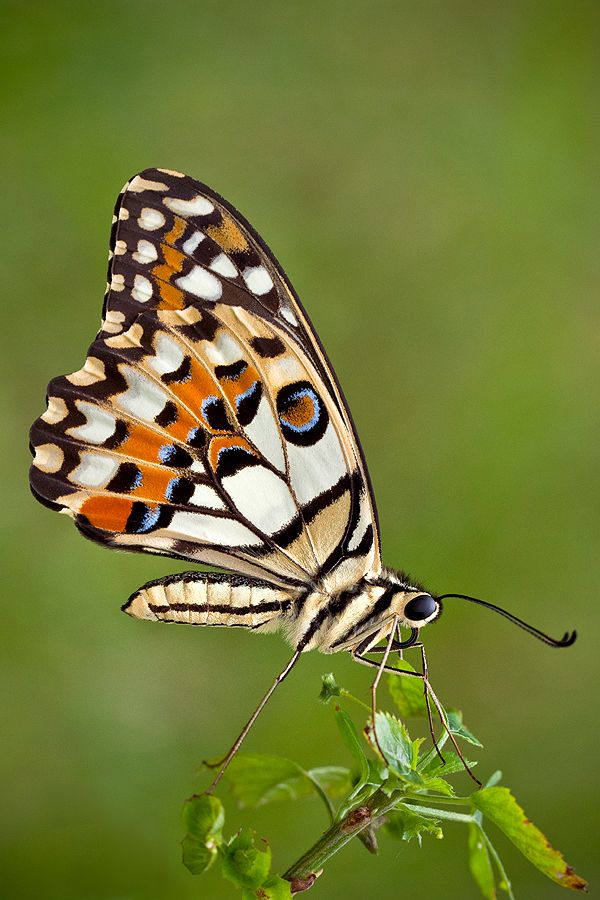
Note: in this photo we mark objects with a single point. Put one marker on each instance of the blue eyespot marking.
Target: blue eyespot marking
(171, 487)
(296, 414)
(302, 413)
(166, 453)
(246, 394)
(148, 520)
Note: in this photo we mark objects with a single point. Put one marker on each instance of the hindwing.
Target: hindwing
(206, 422)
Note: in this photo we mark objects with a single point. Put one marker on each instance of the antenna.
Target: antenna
(567, 639)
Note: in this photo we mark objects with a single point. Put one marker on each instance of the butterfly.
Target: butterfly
(207, 424)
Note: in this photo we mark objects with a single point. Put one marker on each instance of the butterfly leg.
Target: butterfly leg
(240, 738)
(399, 646)
(426, 689)
(439, 708)
(375, 684)
(446, 724)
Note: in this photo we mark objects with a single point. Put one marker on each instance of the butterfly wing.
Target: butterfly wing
(206, 422)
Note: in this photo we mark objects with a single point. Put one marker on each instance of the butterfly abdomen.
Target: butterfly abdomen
(211, 598)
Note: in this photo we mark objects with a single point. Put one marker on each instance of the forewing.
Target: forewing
(205, 423)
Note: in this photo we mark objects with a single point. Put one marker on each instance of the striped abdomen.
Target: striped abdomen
(210, 598)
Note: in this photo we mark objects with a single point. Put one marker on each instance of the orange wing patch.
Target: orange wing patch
(107, 513)
(227, 234)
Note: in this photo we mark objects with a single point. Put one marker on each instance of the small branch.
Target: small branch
(340, 833)
(369, 815)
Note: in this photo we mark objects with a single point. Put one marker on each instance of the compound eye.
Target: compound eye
(420, 608)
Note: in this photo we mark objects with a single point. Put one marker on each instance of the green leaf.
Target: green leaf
(498, 804)
(353, 743)
(405, 824)
(244, 863)
(257, 778)
(437, 785)
(459, 729)
(452, 764)
(480, 863)
(393, 740)
(203, 817)
(407, 693)
(329, 689)
(334, 780)
(274, 888)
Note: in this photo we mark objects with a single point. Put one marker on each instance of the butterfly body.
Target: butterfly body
(309, 619)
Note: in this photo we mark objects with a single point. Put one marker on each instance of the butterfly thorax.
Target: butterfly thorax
(341, 621)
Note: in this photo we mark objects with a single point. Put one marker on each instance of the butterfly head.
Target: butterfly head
(416, 610)
(411, 604)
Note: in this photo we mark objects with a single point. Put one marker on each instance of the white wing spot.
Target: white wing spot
(288, 314)
(151, 219)
(142, 399)
(223, 349)
(213, 530)
(192, 242)
(314, 469)
(197, 206)
(145, 253)
(123, 213)
(223, 266)
(264, 434)
(206, 496)
(201, 284)
(99, 425)
(257, 279)
(120, 248)
(262, 497)
(94, 469)
(169, 355)
(142, 289)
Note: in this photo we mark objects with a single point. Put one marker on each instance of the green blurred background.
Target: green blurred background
(427, 174)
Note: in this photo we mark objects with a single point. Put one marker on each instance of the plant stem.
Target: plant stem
(441, 813)
(357, 820)
(340, 833)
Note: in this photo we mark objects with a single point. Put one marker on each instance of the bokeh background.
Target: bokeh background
(427, 174)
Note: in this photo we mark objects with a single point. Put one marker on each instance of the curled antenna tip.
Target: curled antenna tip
(568, 639)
